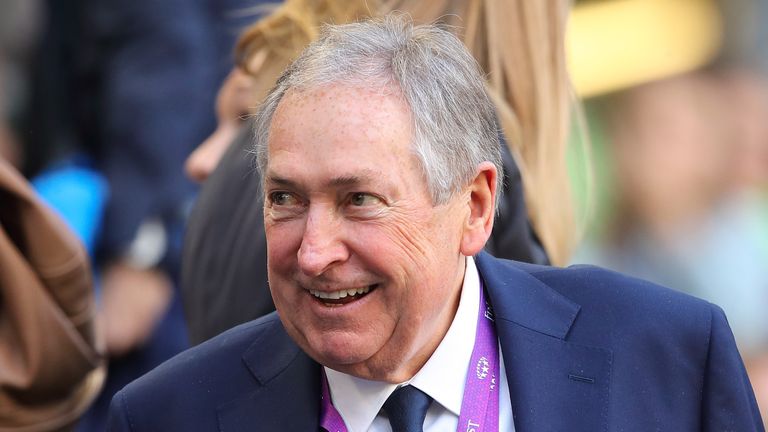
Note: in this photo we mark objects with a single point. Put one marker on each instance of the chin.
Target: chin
(336, 351)
(335, 357)
(362, 365)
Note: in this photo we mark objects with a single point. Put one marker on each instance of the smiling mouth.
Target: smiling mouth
(342, 297)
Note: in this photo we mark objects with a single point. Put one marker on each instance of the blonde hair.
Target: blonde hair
(519, 44)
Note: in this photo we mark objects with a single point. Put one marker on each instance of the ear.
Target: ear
(482, 196)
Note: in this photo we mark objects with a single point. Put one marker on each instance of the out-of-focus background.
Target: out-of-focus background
(101, 101)
(674, 185)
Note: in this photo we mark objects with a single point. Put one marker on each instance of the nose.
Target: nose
(204, 160)
(322, 245)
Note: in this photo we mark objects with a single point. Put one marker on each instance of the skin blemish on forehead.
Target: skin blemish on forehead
(374, 94)
(314, 102)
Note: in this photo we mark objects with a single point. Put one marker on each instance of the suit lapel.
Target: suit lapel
(286, 391)
(553, 384)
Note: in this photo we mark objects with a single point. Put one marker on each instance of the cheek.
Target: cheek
(400, 248)
(410, 235)
(424, 240)
(283, 242)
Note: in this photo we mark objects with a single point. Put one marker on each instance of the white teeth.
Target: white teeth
(335, 295)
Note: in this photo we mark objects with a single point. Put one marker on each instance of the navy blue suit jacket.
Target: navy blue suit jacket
(584, 349)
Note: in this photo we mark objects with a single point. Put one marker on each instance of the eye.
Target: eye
(362, 199)
(283, 205)
(282, 199)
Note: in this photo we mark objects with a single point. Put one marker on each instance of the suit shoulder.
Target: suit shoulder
(588, 281)
(614, 300)
(202, 375)
(627, 307)
(194, 389)
(223, 349)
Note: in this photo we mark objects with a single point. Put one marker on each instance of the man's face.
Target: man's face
(365, 272)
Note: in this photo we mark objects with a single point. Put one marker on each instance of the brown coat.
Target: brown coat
(51, 366)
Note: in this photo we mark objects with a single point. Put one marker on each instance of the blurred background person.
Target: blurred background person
(151, 78)
(20, 23)
(51, 359)
(689, 160)
(117, 94)
(680, 150)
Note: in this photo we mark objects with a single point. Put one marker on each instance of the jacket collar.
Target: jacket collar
(518, 297)
(286, 390)
(553, 384)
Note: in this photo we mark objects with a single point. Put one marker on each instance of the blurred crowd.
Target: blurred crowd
(681, 183)
(101, 104)
(110, 110)
(687, 190)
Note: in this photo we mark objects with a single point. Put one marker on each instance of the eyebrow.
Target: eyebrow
(363, 176)
(350, 180)
(279, 181)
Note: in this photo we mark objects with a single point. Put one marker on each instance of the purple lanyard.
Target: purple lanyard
(480, 405)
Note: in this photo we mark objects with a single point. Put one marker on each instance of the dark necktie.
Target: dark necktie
(406, 408)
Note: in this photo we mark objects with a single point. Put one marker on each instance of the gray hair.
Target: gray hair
(453, 118)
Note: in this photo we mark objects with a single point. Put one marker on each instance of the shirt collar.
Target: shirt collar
(359, 401)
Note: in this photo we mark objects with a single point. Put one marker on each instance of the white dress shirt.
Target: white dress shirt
(359, 401)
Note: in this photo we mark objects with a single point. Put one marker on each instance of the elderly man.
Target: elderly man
(380, 163)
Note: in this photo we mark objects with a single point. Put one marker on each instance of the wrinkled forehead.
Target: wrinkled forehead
(333, 93)
(329, 138)
(341, 115)
(340, 108)
(321, 122)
